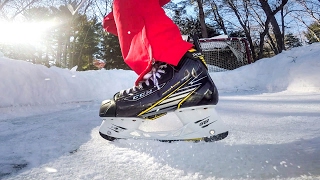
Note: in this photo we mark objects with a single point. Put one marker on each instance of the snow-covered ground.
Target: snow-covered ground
(49, 125)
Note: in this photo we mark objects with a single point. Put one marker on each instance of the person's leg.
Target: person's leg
(164, 36)
(145, 33)
(131, 34)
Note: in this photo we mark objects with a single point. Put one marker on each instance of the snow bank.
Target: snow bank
(296, 70)
(26, 84)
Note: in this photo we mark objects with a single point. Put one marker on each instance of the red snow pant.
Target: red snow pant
(145, 32)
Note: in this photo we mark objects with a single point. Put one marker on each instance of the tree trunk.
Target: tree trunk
(3, 4)
(272, 44)
(261, 44)
(271, 16)
(283, 28)
(201, 19)
(218, 17)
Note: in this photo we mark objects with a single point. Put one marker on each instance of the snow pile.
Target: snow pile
(296, 70)
(26, 84)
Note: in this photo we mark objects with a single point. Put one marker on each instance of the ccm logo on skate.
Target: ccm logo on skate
(142, 95)
(195, 55)
(204, 122)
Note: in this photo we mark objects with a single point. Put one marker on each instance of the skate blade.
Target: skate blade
(206, 139)
(200, 123)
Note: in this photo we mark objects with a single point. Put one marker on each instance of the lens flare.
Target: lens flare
(31, 33)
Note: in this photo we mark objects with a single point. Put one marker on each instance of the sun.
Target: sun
(31, 33)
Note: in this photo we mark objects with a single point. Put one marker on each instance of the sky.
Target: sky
(49, 125)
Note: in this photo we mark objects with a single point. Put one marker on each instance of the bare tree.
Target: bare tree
(311, 8)
(217, 16)
(270, 15)
(2, 4)
(202, 18)
(97, 8)
(241, 11)
(307, 13)
(10, 9)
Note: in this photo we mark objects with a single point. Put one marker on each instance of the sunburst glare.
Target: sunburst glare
(32, 33)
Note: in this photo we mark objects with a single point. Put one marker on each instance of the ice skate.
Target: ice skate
(185, 92)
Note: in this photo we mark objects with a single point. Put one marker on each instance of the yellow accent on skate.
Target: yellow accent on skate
(194, 139)
(156, 116)
(185, 98)
(158, 102)
(192, 50)
(173, 86)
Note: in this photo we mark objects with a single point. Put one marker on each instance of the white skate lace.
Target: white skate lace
(153, 75)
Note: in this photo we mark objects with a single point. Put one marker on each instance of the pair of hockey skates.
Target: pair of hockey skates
(184, 95)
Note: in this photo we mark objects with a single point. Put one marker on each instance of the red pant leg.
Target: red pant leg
(146, 32)
(164, 36)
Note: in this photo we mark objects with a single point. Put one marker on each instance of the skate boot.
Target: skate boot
(185, 90)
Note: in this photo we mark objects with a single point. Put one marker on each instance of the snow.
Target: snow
(49, 125)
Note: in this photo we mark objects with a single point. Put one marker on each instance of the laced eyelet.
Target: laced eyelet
(153, 75)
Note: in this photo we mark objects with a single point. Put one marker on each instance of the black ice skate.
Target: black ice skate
(186, 91)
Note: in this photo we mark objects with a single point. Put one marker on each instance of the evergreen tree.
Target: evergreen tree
(111, 52)
(238, 33)
(62, 35)
(291, 41)
(189, 25)
(85, 43)
(313, 33)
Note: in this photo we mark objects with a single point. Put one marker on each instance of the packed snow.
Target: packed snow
(49, 125)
